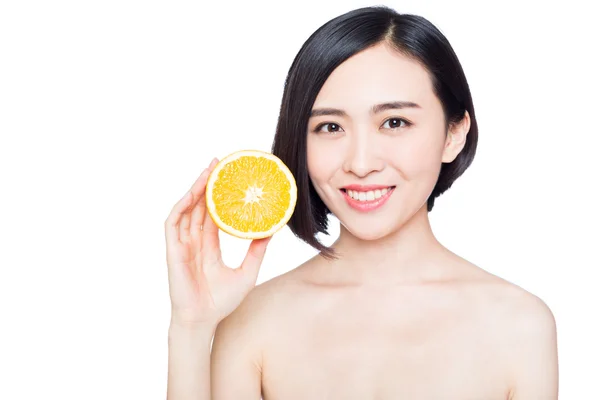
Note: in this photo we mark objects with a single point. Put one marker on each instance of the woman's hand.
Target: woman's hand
(202, 288)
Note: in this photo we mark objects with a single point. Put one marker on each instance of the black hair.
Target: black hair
(328, 47)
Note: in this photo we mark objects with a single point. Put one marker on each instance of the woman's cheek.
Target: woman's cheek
(322, 157)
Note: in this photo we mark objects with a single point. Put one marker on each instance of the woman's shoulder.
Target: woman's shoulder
(271, 300)
(522, 329)
(278, 292)
(500, 298)
(503, 297)
(518, 318)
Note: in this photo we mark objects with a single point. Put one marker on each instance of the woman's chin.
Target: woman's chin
(367, 233)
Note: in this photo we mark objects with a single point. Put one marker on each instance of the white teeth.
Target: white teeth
(367, 196)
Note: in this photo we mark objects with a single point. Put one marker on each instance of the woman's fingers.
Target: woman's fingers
(254, 258)
(196, 222)
(173, 220)
(211, 247)
(177, 224)
(209, 239)
(197, 215)
(184, 225)
(197, 191)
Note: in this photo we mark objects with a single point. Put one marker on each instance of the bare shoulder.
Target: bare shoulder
(527, 313)
(518, 310)
(523, 330)
(525, 320)
(264, 306)
(505, 301)
(242, 337)
(514, 309)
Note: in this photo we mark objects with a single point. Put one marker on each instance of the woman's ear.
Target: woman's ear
(456, 138)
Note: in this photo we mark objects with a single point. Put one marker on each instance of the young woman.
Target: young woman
(376, 122)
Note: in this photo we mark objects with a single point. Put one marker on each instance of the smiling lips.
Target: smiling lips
(367, 198)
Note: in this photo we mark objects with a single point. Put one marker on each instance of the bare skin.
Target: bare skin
(456, 333)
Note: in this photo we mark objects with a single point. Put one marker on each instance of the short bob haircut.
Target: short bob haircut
(328, 47)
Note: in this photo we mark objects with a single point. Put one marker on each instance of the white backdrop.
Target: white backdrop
(109, 111)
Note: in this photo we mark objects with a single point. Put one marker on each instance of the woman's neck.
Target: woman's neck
(411, 254)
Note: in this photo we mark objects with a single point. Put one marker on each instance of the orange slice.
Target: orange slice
(251, 194)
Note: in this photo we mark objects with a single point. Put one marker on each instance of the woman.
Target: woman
(376, 121)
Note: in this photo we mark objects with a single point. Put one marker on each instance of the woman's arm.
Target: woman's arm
(203, 291)
(536, 356)
(236, 360)
(189, 362)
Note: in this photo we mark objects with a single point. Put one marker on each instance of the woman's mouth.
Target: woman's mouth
(366, 200)
(368, 195)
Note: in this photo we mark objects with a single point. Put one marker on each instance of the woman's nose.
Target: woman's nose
(363, 155)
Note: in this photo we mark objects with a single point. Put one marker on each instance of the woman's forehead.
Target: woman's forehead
(378, 74)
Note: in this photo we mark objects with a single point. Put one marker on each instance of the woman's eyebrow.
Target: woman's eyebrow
(394, 105)
(317, 112)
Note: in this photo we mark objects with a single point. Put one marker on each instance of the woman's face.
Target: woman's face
(376, 141)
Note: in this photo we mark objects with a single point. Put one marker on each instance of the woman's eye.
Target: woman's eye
(395, 123)
(328, 128)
